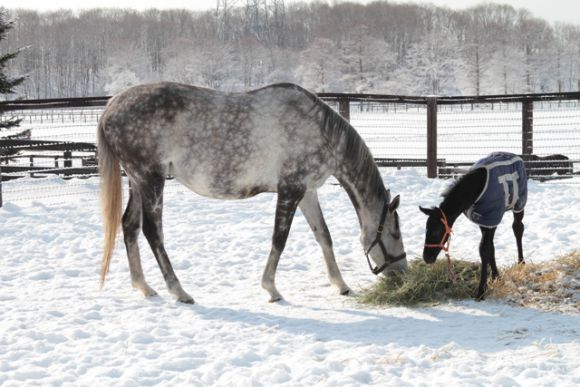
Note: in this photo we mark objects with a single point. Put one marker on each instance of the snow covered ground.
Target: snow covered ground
(57, 328)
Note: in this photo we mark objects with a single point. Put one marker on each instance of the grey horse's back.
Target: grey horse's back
(225, 145)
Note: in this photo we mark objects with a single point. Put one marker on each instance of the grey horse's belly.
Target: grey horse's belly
(213, 181)
(212, 186)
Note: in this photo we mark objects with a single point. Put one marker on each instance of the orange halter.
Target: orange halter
(443, 245)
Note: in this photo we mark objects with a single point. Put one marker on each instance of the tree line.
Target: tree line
(380, 47)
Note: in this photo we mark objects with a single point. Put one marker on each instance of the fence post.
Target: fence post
(1, 203)
(67, 161)
(431, 137)
(344, 108)
(527, 128)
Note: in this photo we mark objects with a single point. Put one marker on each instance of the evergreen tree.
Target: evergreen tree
(7, 84)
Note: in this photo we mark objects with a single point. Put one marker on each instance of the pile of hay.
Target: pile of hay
(424, 284)
(553, 285)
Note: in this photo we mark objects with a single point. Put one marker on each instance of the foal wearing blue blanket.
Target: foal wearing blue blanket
(494, 185)
(505, 189)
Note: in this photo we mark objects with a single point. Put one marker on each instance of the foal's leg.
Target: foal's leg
(131, 229)
(288, 199)
(152, 199)
(310, 207)
(518, 227)
(487, 255)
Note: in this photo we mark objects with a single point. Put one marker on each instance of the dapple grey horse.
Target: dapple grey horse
(279, 138)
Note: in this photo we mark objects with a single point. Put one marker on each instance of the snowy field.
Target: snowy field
(57, 328)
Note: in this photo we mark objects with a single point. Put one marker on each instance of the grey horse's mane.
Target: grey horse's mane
(336, 129)
(357, 154)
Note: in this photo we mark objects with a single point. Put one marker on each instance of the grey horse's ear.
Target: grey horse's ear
(426, 211)
(394, 204)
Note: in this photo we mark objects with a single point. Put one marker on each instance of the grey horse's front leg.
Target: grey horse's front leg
(288, 199)
(310, 207)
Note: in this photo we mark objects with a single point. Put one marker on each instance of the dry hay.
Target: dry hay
(424, 284)
(553, 285)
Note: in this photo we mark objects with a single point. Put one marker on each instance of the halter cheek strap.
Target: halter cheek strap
(389, 259)
(443, 245)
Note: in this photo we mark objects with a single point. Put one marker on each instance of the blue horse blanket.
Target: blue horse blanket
(506, 188)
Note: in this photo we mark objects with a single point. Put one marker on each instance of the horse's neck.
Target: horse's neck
(368, 195)
(358, 174)
(463, 194)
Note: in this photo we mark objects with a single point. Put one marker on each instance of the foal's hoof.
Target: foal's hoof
(479, 296)
(275, 299)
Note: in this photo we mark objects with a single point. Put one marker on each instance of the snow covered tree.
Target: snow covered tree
(7, 84)
(378, 47)
(535, 37)
(365, 62)
(319, 69)
(433, 64)
(506, 73)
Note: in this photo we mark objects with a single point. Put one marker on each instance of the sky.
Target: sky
(550, 10)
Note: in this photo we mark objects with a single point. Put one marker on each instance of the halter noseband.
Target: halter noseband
(389, 259)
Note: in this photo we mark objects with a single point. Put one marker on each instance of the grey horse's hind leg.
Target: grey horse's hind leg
(131, 230)
(152, 200)
(310, 207)
(288, 199)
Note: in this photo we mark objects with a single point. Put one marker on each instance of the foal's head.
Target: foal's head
(437, 233)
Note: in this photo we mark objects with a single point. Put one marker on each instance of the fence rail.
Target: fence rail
(444, 135)
(432, 103)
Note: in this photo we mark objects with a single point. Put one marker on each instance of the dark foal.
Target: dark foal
(493, 186)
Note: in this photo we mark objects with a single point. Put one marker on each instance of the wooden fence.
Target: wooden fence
(64, 152)
(432, 162)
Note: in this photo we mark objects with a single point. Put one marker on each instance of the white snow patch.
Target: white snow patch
(56, 328)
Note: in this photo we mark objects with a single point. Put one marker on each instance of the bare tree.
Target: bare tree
(342, 46)
(7, 83)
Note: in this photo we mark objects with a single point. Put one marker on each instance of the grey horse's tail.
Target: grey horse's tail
(111, 197)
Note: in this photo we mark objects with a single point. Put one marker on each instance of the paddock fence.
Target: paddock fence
(53, 149)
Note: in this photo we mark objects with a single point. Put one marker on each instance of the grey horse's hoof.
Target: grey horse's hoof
(346, 292)
(187, 301)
